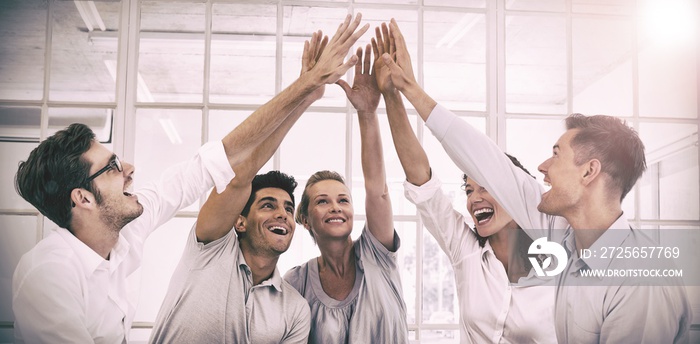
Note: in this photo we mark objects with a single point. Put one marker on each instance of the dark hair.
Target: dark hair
(272, 179)
(516, 162)
(53, 170)
(303, 209)
(613, 143)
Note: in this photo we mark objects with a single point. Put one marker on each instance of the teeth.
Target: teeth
(278, 230)
(336, 221)
(548, 184)
(483, 210)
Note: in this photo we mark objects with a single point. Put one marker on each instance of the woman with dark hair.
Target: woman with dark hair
(500, 298)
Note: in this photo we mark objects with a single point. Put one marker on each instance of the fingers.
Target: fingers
(387, 38)
(353, 60)
(305, 57)
(375, 49)
(342, 28)
(358, 65)
(397, 36)
(347, 35)
(322, 46)
(368, 60)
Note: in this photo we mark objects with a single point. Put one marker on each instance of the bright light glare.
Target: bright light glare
(670, 22)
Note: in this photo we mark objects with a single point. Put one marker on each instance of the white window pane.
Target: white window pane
(99, 120)
(164, 137)
(299, 23)
(537, 5)
(602, 66)
(12, 153)
(83, 63)
(243, 53)
(171, 52)
(530, 148)
(19, 236)
(603, 6)
(440, 303)
(316, 142)
(161, 254)
(456, 3)
(455, 59)
(23, 30)
(440, 336)
(669, 188)
(535, 64)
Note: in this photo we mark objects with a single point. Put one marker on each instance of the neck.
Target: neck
(590, 220)
(97, 235)
(503, 243)
(261, 266)
(337, 256)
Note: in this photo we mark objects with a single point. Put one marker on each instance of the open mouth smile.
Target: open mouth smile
(483, 215)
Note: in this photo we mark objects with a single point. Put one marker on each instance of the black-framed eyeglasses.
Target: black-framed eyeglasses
(114, 163)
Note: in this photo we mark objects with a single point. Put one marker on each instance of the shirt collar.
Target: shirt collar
(275, 281)
(89, 259)
(614, 236)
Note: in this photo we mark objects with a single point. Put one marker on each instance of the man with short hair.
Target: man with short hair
(71, 287)
(594, 165)
(228, 289)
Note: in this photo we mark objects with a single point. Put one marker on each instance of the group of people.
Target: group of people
(71, 287)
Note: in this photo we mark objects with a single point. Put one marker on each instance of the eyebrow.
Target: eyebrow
(556, 146)
(274, 200)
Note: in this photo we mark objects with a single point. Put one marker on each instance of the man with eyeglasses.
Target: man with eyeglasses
(72, 286)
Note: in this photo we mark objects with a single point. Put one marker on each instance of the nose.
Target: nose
(128, 169)
(543, 166)
(335, 207)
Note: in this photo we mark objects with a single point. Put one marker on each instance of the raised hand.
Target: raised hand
(364, 93)
(383, 43)
(400, 65)
(329, 66)
(312, 52)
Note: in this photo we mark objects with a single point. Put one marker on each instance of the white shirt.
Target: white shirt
(64, 292)
(492, 310)
(519, 194)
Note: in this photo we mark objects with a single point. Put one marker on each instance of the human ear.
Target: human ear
(241, 223)
(591, 171)
(82, 198)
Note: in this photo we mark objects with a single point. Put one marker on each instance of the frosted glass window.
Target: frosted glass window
(300, 22)
(316, 142)
(602, 66)
(669, 188)
(19, 236)
(456, 3)
(171, 52)
(243, 53)
(165, 137)
(622, 7)
(161, 254)
(23, 31)
(537, 5)
(99, 120)
(440, 303)
(84, 52)
(531, 141)
(455, 59)
(535, 64)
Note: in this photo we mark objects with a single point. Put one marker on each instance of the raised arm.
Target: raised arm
(220, 211)
(242, 141)
(364, 96)
(411, 154)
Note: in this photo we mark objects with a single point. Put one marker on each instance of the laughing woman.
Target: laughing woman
(500, 299)
(354, 288)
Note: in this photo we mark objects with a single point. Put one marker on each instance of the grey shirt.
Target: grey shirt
(373, 312)
(212, 299)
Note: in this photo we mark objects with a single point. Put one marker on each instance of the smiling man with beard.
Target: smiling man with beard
(72, 286)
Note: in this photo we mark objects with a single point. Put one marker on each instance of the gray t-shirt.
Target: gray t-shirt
(373, 312)
(211, 299)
